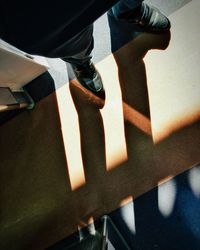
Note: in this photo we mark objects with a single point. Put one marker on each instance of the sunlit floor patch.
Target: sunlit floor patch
(128, 215)
(194, 180)
(166, 197)
(71, 136)
(173, 76)
(112, 114)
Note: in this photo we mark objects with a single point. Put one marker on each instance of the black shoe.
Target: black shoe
(147, 18)
(89, 78)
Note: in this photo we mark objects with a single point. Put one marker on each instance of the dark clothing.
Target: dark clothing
(38, 27)
(78, 46)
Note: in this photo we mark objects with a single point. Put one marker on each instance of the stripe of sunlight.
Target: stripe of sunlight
(173, 83)
(166, 197)
(194, 180)
(128, 213)
(71, 136)
(112, 115)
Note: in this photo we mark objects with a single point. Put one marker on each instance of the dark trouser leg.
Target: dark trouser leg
(83, 56)
(124, 6)
(77, 52)
(78, 49)
(143, 16)
(83, 44)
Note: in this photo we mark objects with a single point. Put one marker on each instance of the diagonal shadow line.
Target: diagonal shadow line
(126, 64)
(131, 115)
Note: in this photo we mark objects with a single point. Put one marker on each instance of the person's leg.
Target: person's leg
(143, 16)
(78, 52)
(85, 71)
(87, 74)
(82, 57)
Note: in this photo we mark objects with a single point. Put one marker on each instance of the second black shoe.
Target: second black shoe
(89, 78)
(147, 18)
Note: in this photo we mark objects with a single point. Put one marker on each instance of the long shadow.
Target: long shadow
(105, 187)
(91, 124)
(129, 59)
(149, 229)
(132, 75)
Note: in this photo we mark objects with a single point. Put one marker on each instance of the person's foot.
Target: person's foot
(147, 18)
(89, 78)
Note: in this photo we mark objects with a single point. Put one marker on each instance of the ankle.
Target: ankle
(81, 65)
(131, 13)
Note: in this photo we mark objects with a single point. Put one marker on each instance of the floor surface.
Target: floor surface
(76, 157)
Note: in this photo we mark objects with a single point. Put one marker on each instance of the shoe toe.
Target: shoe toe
(160, 22)
(96, 83)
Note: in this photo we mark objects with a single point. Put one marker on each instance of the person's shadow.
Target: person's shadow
(132, 78)
(129, 48)
(104, 190)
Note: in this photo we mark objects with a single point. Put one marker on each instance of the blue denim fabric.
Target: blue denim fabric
(124, 6)
(121, 31)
